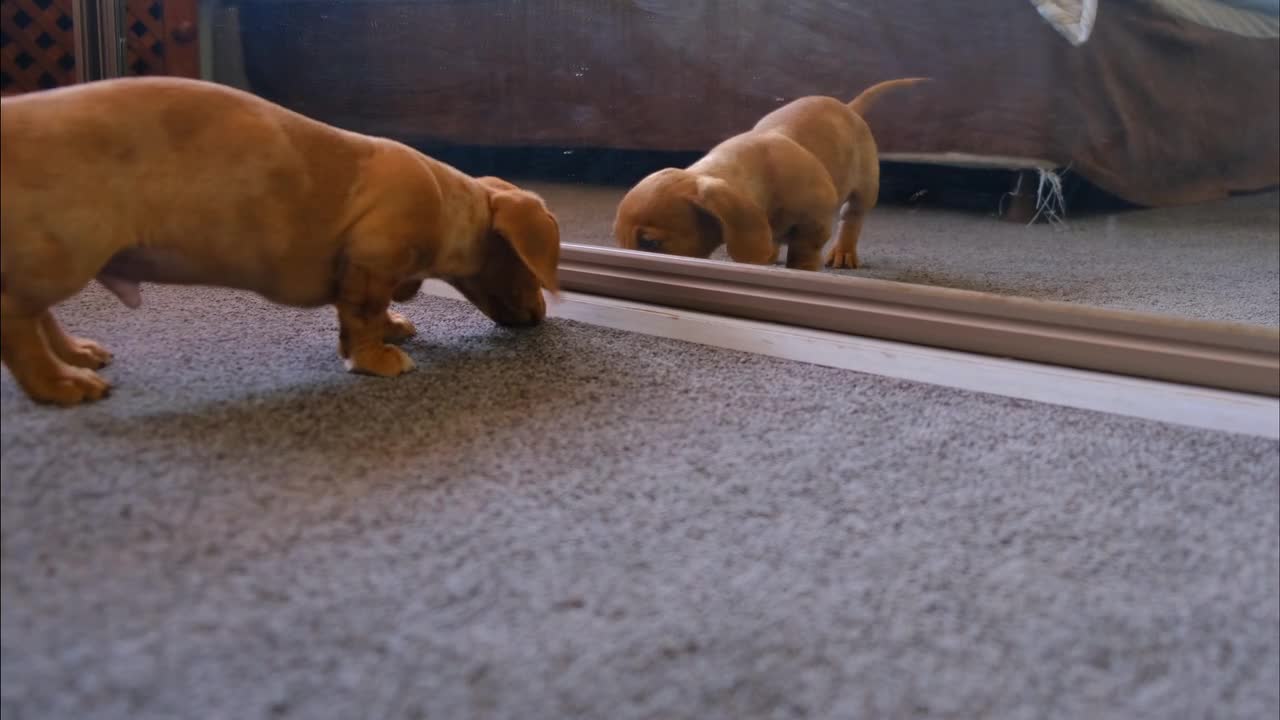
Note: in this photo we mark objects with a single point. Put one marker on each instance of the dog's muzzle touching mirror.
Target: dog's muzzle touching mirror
(646, 243)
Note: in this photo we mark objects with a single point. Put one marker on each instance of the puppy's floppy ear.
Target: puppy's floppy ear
(743, 224)
(520, 218)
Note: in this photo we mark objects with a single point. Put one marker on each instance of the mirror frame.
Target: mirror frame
(1226, 356)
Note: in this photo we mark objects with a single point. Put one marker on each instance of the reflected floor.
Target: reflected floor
(1218, 261)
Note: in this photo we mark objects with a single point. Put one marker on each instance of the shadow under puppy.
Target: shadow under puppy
(782, 182)
(187, 182)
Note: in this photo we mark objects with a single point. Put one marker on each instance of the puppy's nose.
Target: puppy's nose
(648, 244)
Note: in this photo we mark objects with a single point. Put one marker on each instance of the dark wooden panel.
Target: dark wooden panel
(161, 38)
(37, 45)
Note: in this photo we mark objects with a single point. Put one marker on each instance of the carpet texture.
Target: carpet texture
(574, 522)
(1217, 261)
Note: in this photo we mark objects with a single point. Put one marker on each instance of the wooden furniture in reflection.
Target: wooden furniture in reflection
(37, 45)
(38, 49)
(161, 38)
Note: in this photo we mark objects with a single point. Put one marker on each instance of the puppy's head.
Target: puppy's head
(521, 254)
(678, 212)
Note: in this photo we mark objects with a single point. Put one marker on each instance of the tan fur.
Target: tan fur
(181, 181)
(782, 182)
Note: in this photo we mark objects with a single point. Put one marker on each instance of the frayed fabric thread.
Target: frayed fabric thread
(1073, 19)
(1051, 202)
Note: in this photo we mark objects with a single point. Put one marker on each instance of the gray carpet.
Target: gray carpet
(575, 522)
(1218, 261)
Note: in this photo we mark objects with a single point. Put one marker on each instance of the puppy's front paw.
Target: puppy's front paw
(399, 328)
(380, 360)
(68, 386)
(840, 258)
(84, 353)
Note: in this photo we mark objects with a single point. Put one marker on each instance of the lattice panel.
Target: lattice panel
(37, 45)
(144, 37)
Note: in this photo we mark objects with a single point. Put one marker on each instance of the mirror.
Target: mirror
(1114, 155)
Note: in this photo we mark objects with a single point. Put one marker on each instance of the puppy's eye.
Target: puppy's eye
(645, 242)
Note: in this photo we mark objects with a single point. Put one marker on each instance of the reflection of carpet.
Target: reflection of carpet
(1215, 262)
(574, 522)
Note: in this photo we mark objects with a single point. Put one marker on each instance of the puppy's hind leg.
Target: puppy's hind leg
(41, 374)
(844, 254)
(41, 272)
(72, 350)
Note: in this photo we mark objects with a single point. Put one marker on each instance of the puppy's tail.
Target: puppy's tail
(868, 97)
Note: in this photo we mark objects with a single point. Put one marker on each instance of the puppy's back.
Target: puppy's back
(153, 151)
(827, 129)
(160, 122)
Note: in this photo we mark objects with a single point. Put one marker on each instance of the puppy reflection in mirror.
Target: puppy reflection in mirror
(783, 182)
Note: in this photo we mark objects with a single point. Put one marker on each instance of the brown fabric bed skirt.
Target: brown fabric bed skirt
(1155, 109)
